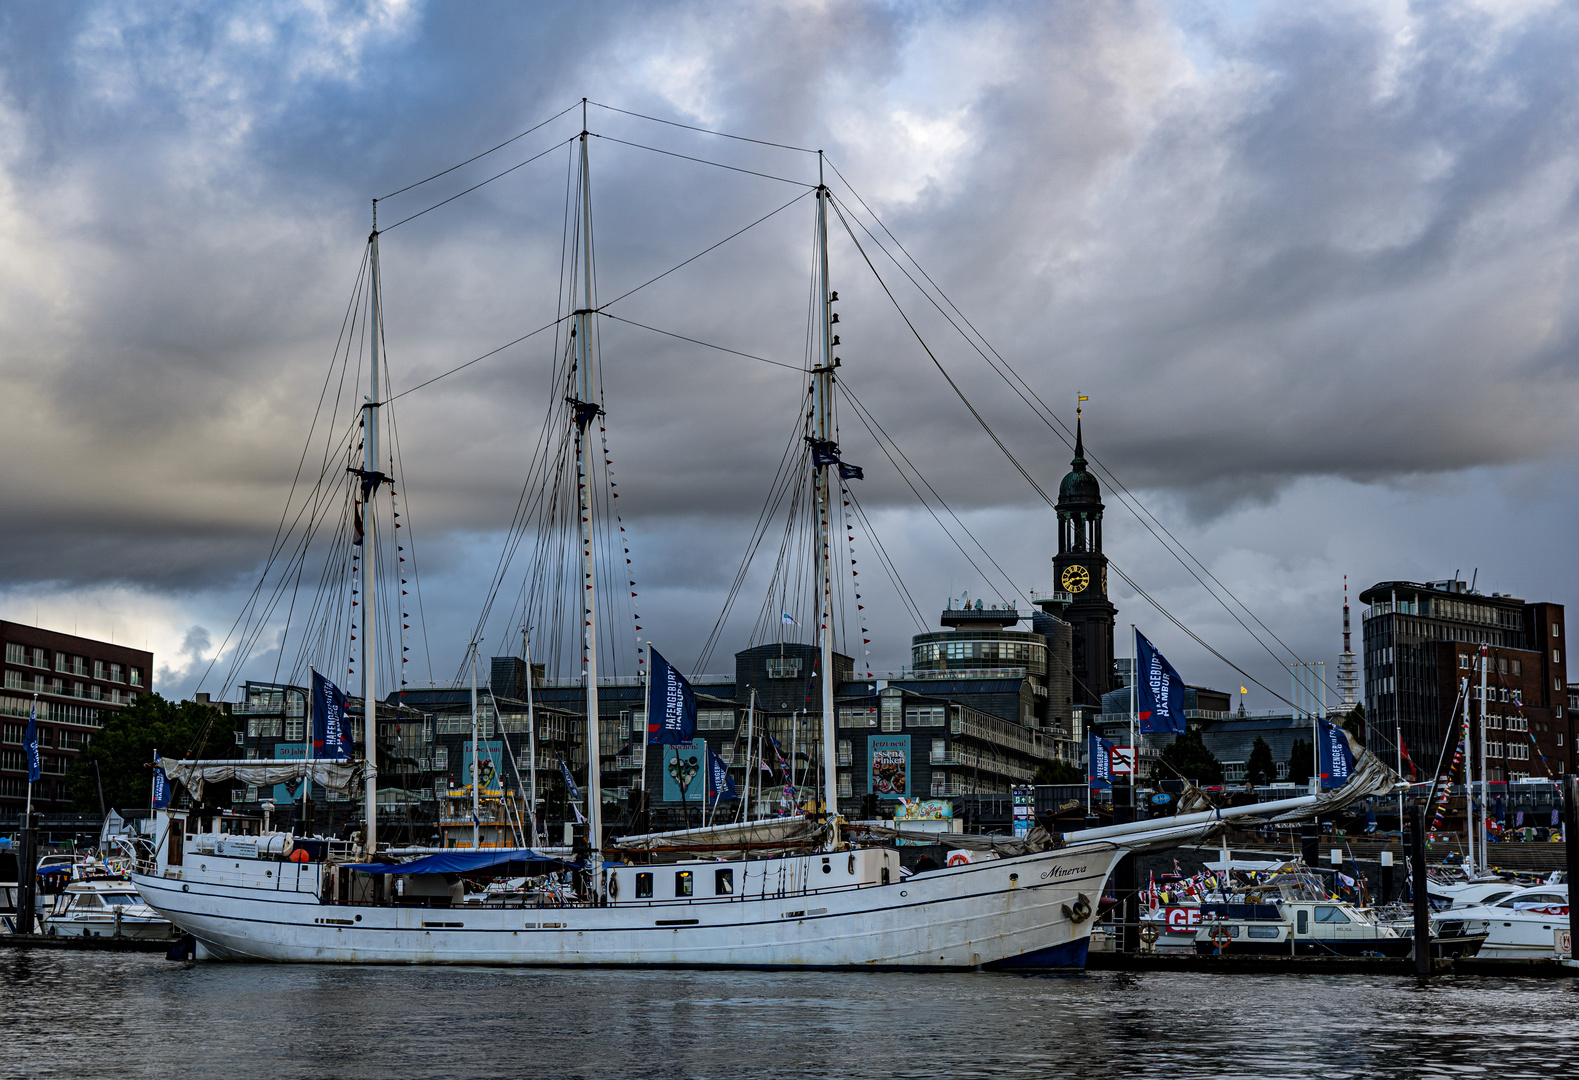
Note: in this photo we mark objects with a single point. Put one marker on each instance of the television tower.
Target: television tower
(1348, 671)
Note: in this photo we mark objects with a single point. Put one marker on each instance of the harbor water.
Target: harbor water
(138, 1015)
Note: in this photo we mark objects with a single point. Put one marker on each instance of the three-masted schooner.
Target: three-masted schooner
(812, 901)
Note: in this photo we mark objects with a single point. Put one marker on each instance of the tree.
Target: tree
(1299, 763)
(1058, 772)
(1261, 769)
(124, 749)
(1188, 757)
(1354, 722)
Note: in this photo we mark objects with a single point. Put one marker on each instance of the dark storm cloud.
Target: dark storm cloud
(1277, 245)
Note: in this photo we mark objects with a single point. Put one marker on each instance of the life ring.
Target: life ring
(1220, 937)
(614, 886)
(959, 858)
(300, 855)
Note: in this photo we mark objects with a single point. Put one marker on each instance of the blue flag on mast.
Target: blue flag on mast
(720, 785)
(161, 784)
(1159, 692)
(1099, 758)
(30, 746)
(331, 732)
(1335, 758)
(572, 791)
(671, 703)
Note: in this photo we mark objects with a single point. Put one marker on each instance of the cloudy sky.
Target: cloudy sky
(1312, 264)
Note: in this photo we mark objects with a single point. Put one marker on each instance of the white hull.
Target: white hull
(1001, 912)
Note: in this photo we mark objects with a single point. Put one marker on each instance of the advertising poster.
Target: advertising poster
(491, 751)
(691, 769)
(888, 766)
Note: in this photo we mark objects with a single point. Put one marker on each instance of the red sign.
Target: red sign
(1123, 760)
(1182, 918)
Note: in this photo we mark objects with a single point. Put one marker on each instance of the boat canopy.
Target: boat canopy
(460, 861)
(341, 776)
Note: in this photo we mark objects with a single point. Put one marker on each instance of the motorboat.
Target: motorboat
(1523, 925)
(104, 907)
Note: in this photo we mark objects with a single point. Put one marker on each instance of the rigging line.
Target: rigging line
(484, 154)
(870, 422)
(704, 161)
(1040, 408)
(704, 131)
(474, 187)
(603, 308)
(911, 608)
(474, 360)
(704, 344)
(937, 364)
(1165, 613)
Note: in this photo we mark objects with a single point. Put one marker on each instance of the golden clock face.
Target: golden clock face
(1076, 578)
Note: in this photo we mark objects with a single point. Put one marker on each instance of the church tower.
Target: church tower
(1080, 569)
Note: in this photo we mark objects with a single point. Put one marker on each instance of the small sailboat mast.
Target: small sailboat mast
(586, 411)
(826, 463)
(370, 478)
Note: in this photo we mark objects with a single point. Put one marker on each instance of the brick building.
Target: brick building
(78, 682)
(1423, 640)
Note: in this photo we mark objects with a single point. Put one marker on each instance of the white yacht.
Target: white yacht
(1521, 925)
(104, 907)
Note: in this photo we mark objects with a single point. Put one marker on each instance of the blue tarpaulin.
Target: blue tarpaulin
(460, 862)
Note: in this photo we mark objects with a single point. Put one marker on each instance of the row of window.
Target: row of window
(16, 761)
(38, 684)
(1504, 665)
(73, 665)
(62, 738)
(1003, 652)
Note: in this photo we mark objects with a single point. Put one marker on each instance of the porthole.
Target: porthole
(359, 918)
(186, 888)
(826, 869)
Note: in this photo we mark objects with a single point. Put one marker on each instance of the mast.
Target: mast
(370, 479)
(531, 737)
(1485, 792)
(1469, 784)
(824, 433)
(586, 411)
(476, 762)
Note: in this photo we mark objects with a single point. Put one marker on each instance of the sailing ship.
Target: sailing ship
(795, 893)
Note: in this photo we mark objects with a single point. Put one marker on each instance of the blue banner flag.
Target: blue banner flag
(1336, 760)
(720, 785)
(850, 472)
(161, 784)
(671, 703)
(331, 730)
(30, 746)
(573, 791)
(1099, 755)
(1159, 692)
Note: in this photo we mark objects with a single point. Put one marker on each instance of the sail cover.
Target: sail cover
(461, 862)
(341, 776)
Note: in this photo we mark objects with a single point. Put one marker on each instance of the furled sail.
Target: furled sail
(340, 776)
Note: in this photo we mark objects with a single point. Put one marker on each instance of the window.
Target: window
(715, 719)
(295, 730)
(1559, 738)
(96, 692)
(682, 883)
(784, 668)
(857, 717)
(939, 752)
(846, 786)
(441, 758)
(1557, 656)
(12, 760)
(62, 662)
(13, 679)
(252, 793)
(264, 727)
(241, 736)
(1557, 630)
(931, 716)
(638, 720)
(14, 653)
(846, 754)
(1463, 661)
(115, 673)
(723, 883)
(892, 713)
(1504, 693)
(98, 669)
(136, 676)
(1331, 915)
(1518, 666)
(13, 733)
(644, 886)
(77, 690)
(38, 659)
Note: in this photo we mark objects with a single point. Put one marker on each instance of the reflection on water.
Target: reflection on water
(88, 1014)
